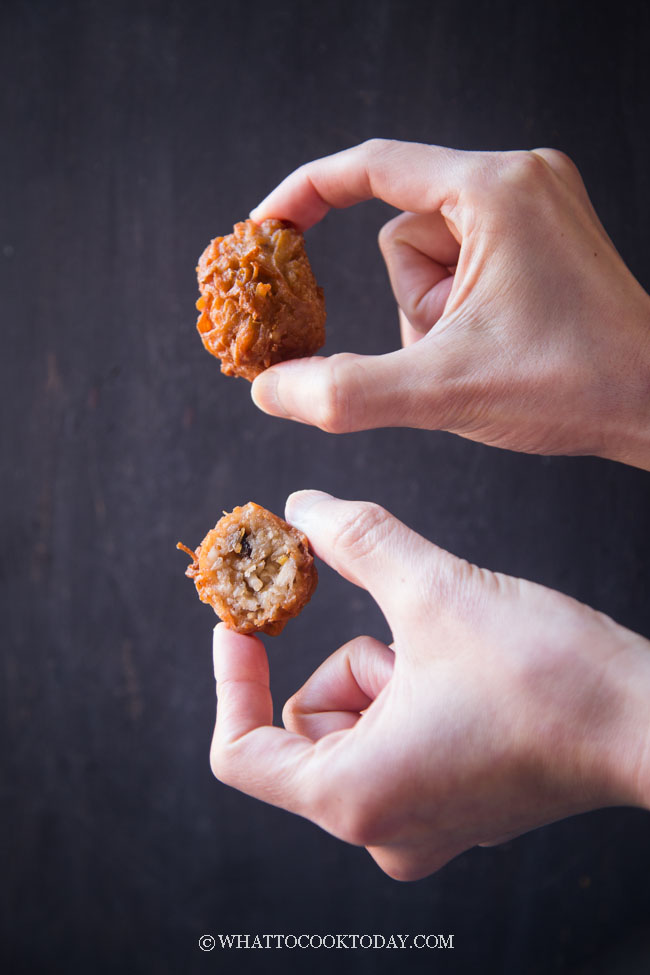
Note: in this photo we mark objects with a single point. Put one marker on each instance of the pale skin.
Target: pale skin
(500, 705)
(531, 332)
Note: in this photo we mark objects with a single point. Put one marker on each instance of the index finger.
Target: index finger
(407, 175)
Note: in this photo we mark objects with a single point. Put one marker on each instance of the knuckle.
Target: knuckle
(389, 231)
(481, 173)
(407, 865)
(334, 394)
(363, 825)
(558, 160)
(510, 181)
(523, 168)
(375, 145)
(217, 762)
(364, 525)
(385, 235)
(291, 711)
(358, 811)
(223, 761)
(331, 399)
(403, 870)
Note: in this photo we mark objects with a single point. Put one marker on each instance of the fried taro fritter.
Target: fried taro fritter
(254, 569)
(259, 303)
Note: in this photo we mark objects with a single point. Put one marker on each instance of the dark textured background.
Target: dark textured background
(132, 134)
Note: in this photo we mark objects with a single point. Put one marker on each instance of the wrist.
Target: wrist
(591, 716)
(622, 733)
(626, 397)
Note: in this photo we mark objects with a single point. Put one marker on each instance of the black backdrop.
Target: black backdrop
(132, 134)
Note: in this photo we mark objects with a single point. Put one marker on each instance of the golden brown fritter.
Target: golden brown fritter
(259, 303)
(254, 569)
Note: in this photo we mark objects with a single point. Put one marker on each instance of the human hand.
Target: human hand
(531, 332)
(501, 706)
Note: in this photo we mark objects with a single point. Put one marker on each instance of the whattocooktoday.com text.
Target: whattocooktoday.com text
(366, 942)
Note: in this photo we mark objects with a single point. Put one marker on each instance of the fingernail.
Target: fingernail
(299, 505)
(265, 393)
(253, 214)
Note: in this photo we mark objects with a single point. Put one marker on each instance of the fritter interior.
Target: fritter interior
(254, 569)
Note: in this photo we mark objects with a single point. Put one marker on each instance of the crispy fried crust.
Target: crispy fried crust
(254, 569)
(259, 303)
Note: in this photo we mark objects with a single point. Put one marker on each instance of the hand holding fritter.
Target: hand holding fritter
(500, 706)
(522, 326)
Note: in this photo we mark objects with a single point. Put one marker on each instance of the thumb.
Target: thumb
(364, 543)
(347, 392)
